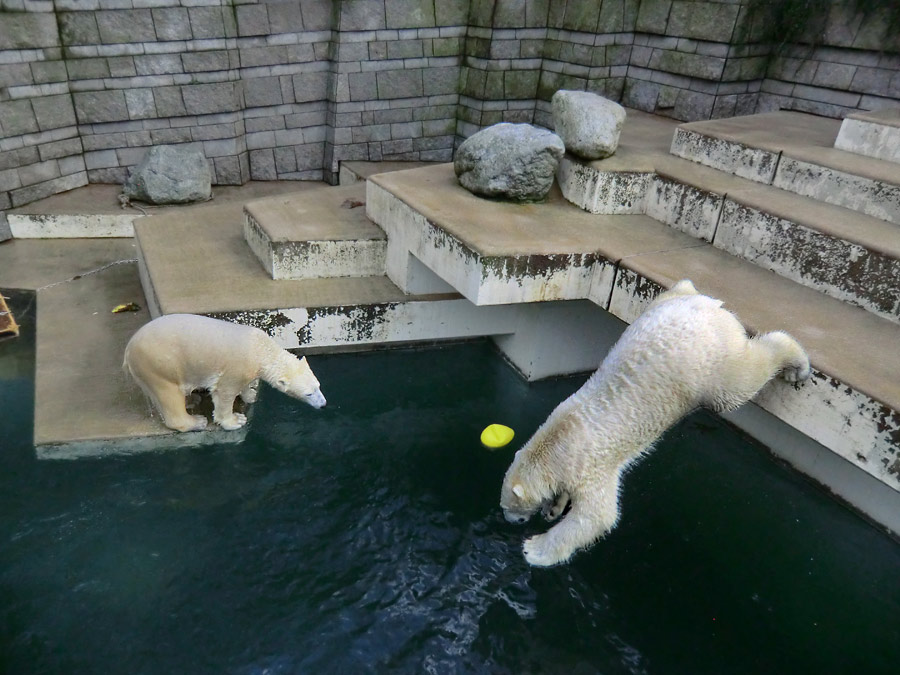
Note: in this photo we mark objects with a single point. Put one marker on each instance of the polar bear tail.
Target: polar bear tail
(680, 289)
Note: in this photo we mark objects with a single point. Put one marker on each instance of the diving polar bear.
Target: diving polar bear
(178, 353)
(683, 352)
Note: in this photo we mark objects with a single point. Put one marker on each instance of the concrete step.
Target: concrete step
(315, 233)
(496, 252)
(207, 268)
(359, 171)
(618, 184)
(842, 253)
(872, 133)
(94, 211)
(795, 152)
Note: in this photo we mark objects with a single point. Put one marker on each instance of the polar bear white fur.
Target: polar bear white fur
(178, 353)
(683, 352)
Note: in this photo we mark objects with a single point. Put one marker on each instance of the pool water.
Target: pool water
(367, 537)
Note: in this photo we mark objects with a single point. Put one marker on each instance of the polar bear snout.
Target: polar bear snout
(315, 399)
(516, 518)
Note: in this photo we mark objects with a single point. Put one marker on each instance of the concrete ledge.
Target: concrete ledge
(314, 234)
(867, 195)
(873, 134)
(596, 189)
(496, 252)
(736, 158)
(52, 226)
(359, 171)
(830, 264)
(794, 152)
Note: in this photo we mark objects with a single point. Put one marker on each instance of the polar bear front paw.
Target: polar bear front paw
(552, 510)
(235, 421)
(540, 552)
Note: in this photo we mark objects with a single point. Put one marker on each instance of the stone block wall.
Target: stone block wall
(700, 59)
(287, 89)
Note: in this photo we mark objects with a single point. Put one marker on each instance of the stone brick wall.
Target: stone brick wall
(697, 59)
(287, 89)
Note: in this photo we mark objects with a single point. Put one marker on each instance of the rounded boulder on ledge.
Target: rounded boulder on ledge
(509, 161)
(588, 124)
(170, 174)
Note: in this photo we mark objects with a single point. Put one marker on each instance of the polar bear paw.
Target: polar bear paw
(189, 423)
(234, 421)
(551, 510)
(798, 372)
(540, 552)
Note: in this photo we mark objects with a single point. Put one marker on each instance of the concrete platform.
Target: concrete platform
(314, 234)
(84, 404)
(94, 210)
(496, 252)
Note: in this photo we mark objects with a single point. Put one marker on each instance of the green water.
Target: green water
(367, 537)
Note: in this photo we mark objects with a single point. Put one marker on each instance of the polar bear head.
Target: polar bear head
(526, 487)
(539, 473)
(295, 378)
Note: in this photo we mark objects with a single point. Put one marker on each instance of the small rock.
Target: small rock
(588, 124)
(511, 161)
(170, 174)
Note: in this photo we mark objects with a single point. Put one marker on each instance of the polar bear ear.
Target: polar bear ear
(518, 491)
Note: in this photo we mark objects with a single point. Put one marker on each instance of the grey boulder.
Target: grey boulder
(170, 174)
(509, 161)
(588, 124)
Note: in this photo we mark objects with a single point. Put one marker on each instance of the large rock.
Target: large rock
(170, 174)
(588, 124)
(510, 161)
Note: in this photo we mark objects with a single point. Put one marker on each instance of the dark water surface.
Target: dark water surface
(367, 537)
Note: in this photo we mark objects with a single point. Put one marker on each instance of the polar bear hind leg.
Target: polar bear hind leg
(763, 357)
(169, 400)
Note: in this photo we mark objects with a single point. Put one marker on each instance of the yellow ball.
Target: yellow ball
(497, 435)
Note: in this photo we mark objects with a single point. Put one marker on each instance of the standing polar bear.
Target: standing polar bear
(178, 353)
(683, 352)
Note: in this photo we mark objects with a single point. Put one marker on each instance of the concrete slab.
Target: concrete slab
(618, 184)
(496, 252)
(32, 264)
(95, 211)
(205, 266)
(84, 403)
(318, 233)
(776, 132)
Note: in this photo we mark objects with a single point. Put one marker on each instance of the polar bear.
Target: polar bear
(178, 353)
(683, 352)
